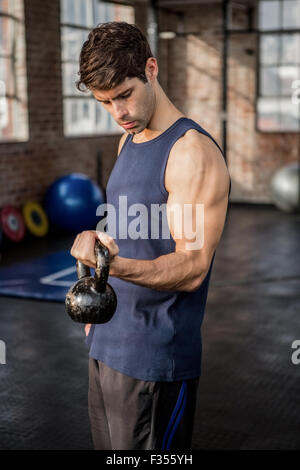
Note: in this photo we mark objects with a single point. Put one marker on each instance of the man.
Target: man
(145, 363)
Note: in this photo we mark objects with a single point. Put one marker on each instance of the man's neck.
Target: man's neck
(165, 114)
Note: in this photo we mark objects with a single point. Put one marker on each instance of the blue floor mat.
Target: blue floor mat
(46, 278)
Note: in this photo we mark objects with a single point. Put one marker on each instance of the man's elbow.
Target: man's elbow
(192, 285)
(195, 283)
(199, 267)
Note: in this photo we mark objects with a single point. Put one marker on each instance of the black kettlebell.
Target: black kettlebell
(91, 299)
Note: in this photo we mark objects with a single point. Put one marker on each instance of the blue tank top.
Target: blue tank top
(153, 335)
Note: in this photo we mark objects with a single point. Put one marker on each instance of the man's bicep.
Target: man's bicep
(214, 220)
(197, 205)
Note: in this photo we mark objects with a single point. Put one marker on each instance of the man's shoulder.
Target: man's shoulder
(195, 139)
(196, 147)
(194, 155)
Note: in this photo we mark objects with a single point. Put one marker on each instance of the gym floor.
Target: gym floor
(249, 392)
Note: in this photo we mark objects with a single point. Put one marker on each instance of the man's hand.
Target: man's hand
(83, 250)
(84, 244)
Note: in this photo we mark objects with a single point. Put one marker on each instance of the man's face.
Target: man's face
(132, 103)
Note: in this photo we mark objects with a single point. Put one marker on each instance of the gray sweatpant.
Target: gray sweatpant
(131, 414)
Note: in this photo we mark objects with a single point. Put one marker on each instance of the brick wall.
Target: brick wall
(193, 65)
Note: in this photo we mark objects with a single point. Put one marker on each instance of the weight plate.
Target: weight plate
(36, 219)
(12, 223)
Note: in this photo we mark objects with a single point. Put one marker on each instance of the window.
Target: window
(279, 65)
(13, 84)
(83, 115)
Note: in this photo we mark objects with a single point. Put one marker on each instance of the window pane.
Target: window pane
(98, 113)
(84, 116)
(269, 15)
(105, 121)
(287, 75)
(13, 109)
(78, 12)
(6, 35)
(72, 41)
(124, 13)
(70, 76)
(290, 52)
(87, 117)
(268, 114)
(72, 12)
(6, 75)
(4, 6)
(63, 11)
(269, 49)
(291, 14)
(3, 106)
(113, 126)
(67, 11)
(277, 115)
(107, 12)
(102, 117)
(277, 81)
(13, 120)
(289, 116)
(83, 12)
(10, 6)
(269, 81)
(102, 12)
(6, 118)
(75, 122)
(89, 13)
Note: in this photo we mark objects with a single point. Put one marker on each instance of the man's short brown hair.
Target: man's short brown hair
(112, 52)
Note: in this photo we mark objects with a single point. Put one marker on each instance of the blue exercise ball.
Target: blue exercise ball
(71, 203)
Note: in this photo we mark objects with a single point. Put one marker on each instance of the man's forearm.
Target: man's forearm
(176, 271)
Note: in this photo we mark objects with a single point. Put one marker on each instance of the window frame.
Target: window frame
(260, 66)
(12, 97)
(83, 96)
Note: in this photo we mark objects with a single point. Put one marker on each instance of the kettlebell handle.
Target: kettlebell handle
(102, 267)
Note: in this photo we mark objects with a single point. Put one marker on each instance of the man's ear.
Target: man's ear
(151, 69)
